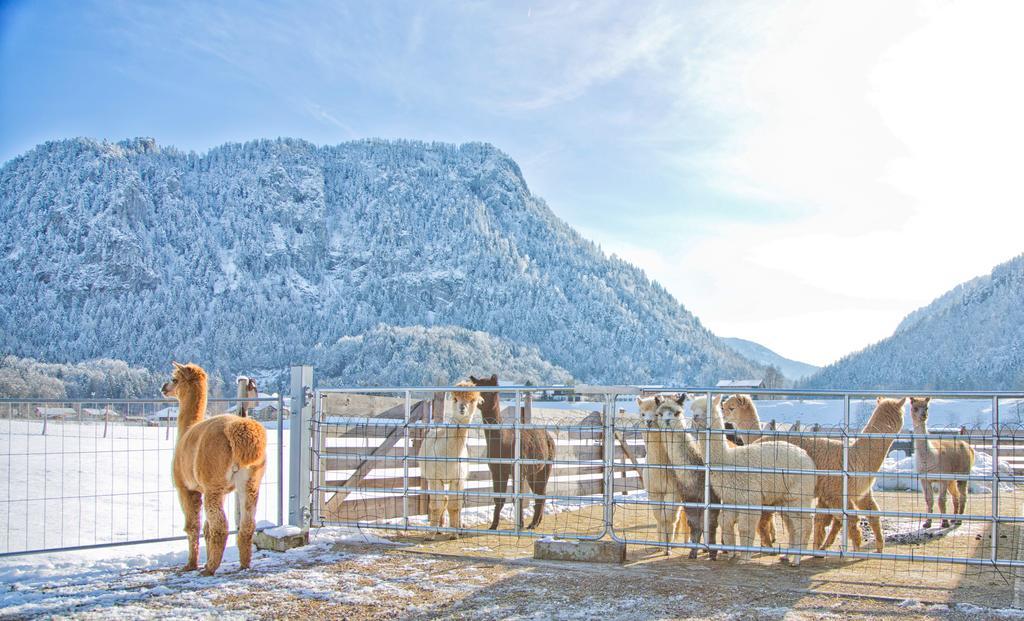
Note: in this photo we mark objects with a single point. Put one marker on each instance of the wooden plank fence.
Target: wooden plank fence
(382, 434)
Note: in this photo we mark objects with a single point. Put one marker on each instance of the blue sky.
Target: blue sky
(802, 174)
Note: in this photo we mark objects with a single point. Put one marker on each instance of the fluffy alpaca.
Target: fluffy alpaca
(940, 457)
(246, 390)
(660, 483)
(865, 455)
(536, 444)
(683, 450)
(761, 488)
(441, 475)
(699, 411)
(212, 458)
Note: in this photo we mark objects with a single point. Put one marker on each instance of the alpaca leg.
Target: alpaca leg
(694, 519)
(216, 531)
(712, 528)
(660, 519)
(499, 477)
(539, 485)
(853, 528)
(436, 511)
(455, 506)
(766, 529)
(961, 487)
(926, 487)
(191, 505)
(798, 529)
(821, 521)
(868, 504)
(747, 522)
(833, 532)
(728, 523)
(954, 492)
(680, 527)
(943, 506)
(246, 497)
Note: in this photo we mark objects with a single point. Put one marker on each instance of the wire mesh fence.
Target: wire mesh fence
(689, 474)
(80, 474)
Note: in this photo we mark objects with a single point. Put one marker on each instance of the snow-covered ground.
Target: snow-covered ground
(73, 487)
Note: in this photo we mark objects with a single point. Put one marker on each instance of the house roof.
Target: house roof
(740, 383)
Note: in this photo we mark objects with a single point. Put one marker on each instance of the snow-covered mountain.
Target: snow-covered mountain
(378, 262)
(969, 338)
(792, 369)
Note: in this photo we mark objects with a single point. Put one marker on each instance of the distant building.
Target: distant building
(741, 383)
(56, 413)
(263, 410)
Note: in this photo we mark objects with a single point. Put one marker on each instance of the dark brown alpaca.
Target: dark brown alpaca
(536, 444)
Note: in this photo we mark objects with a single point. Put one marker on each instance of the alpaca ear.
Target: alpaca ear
(177, 365)
(903, 402)
(878, 400)
(658, 400)
(717, 401)
(494, 377)
(473, 379)
(680, 398)
(927, 399)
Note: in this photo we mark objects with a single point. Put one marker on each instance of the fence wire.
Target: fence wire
(82, 474)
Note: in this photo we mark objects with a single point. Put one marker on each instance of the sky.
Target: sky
(802, 174)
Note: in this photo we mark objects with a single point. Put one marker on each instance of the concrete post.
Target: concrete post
(299, 510)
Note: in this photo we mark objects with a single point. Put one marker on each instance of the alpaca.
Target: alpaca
(536, 444)
(940, 457)
(699, 411)
(448, 442)
(212, 458)
(246, 390)
(682, 449)
(865, 455)
(660, 483)
(761, 488)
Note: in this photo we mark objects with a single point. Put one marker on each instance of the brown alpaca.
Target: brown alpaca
(940, 457)
(536, 444)
(865, 455)
(212, 458)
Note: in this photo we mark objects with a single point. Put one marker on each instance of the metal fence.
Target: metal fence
(78, 474)
(367, 454)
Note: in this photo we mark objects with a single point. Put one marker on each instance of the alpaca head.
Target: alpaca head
(466, 404)
(246, 390)
(699, 410)
(670, 413)
(483, 381)
(889, 410)
(185, 379)
(740, 411)
(919, 409)
(648, 407)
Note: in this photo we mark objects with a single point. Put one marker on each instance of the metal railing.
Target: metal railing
(609, 507)
(79, 474)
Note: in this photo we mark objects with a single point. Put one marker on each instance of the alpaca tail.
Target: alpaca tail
(248, 440)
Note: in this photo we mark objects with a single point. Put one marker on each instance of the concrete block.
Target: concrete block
(582, 551)
(281, 538)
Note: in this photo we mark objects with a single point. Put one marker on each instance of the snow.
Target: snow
(280, 532)
(897, 474)
(62, 583)
(73, 487)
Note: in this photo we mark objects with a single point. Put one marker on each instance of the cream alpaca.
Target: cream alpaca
(683, 450)
(865, 455)
(449, 475)
(761, 488)
(212, 458)
(940, 457)
(660, 483)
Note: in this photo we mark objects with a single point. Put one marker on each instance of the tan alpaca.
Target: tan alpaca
(212, 458)
(661, 485)
(450, 475)
(940, 457)
(699, 411)
(761, 488)
(865, 455)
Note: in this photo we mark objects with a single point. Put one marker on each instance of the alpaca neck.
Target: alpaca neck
(490, 414)
(878, 423)
(718, 445)
(923, 446)
(191, 409)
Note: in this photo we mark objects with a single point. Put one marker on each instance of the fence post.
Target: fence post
(995, 479)
(299, 511)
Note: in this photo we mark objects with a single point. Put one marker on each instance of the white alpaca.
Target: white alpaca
(761, 488)
(660, 484)
(449, 475)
